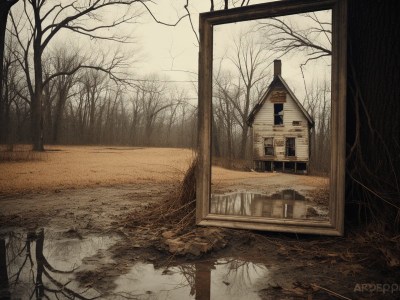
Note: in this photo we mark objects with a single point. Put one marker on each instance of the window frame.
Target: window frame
(287, 146)
(271, 146)
(278, 115)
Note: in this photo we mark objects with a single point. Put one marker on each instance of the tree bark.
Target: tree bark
(36, 101)
(5, 7)
(373, 107)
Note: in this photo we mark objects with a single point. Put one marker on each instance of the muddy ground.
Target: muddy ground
(94, 244)
(261, 265)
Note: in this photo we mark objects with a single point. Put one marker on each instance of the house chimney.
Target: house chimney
(277, 67)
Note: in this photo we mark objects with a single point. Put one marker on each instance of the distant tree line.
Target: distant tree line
(90, 107)
(49, 90)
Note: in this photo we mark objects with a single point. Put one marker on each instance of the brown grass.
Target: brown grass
(65, 167)
(85, 166)
(19, 153)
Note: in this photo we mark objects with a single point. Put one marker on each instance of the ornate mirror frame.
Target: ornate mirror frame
(335, 225)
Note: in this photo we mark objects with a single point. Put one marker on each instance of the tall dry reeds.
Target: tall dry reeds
(177, 209)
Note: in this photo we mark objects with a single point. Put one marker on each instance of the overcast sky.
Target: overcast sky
(314, 70)
(173, 51)
(168, 50)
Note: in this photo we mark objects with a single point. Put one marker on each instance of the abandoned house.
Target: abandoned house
(280, 129)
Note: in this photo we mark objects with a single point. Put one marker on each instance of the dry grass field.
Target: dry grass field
(65, 167)
(62, 167)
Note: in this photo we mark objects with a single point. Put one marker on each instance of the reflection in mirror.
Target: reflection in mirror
(271, 117)
(286, 204)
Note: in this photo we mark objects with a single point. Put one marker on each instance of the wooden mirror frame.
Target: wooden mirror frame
(335, 225)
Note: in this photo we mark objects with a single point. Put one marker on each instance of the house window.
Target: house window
(278, 113)
(296, 123)
(288, 211)
(269, 146)
(290, 147)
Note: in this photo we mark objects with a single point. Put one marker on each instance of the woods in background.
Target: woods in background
(54, 93)
(89, 107)
(91, 98)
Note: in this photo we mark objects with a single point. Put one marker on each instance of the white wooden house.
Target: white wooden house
(280, 129)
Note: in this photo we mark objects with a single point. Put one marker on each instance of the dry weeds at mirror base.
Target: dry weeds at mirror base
(172, 220)
(336, 204)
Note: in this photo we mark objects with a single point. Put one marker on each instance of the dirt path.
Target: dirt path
(89, 209)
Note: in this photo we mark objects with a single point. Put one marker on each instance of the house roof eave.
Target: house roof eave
(257, 107)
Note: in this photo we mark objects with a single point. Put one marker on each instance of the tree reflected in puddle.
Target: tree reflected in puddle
(44, 265)
(44, 269)
(219, 279)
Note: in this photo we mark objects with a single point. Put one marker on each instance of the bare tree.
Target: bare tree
(225, 94)
(62, 61)
(249, 64)
(5, 6)
(136, 116)
(153, 101)
(310, 35)
(45, 21)
(318, 105)
(10, 88)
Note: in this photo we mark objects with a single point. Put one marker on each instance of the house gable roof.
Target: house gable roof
(278, 81)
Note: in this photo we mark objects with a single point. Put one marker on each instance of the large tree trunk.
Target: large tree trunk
(36, 102)
(58, 114)
(243, 142)
(36, 106)
(373, 107)
(5, 7)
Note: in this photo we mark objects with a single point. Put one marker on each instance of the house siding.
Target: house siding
(263, 127)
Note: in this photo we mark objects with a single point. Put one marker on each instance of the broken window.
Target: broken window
(296, 123)
(290, 147)
(278, 113)
(269, 146)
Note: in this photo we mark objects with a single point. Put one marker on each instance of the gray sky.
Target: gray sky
(170, 50)
(176, 48)
(314, 70)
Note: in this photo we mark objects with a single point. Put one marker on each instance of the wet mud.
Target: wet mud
(68, 259)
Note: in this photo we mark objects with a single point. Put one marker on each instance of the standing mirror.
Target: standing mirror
(272, 82)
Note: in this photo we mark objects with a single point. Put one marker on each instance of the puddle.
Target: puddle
(220, 279)
(42, 264)
(286, 204)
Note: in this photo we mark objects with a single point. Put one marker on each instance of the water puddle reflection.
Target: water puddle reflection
(44, 265)
(286, 204)
(41, 265)
(220, 279)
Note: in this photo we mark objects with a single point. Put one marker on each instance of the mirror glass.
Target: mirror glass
(271, 117)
